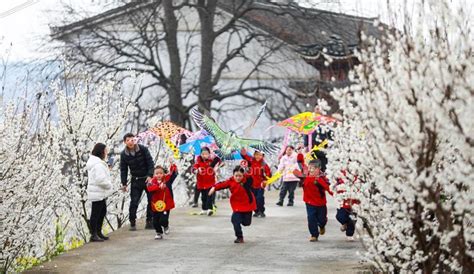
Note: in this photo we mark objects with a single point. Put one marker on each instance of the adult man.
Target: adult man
(138, 160)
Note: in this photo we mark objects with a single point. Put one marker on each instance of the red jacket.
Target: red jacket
(162, 190)
(314, 189)
(258, 170)
(347, 203)
(206, 176)
(239, 196)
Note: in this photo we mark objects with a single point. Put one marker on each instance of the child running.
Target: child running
(160, 187)
(345, 214)
(288, 163)
(315, 185)
(205, 168)
(242, 200)
(258, 169)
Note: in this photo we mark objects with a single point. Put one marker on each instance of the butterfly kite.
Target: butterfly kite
(228, 142)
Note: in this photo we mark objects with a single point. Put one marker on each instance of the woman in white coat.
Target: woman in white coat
(98, 189)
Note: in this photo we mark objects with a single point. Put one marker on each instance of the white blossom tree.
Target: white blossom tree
(32, 195)
(407, 133)
(45, 145)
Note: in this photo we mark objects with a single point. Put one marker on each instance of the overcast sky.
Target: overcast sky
(23, 23)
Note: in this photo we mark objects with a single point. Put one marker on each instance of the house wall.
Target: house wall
(280, 67)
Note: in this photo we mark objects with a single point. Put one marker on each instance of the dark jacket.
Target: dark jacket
(318, 136)
(140, 165)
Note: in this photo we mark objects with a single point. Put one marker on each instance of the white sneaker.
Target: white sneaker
(210, 212)
(167, 230)
(343, 228)
(158, 236)
(203, 212)
(349, 239)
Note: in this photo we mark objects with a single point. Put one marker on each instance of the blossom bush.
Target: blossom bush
(407, 133)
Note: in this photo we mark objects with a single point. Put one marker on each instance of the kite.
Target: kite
(304, 123)
(167, 130)
(310, 156)
(228, 142)
(196, 145)
(259, 114)
(173, 148)
(274, 178)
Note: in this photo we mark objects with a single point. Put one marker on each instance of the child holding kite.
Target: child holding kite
(315, 185)
(258, 170)
(160, 187)
(288, 163)
(242, 200)
(205, 169)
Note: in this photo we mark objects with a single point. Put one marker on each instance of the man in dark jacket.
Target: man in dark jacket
(138, 160)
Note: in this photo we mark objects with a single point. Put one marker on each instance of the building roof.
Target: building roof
(308, 30)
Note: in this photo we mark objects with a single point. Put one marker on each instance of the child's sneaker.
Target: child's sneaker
(167, 230)
(210, 212)
(349, 239)
(343, 227)
(313, 239)
(322, 230)
(203, 212)
(158, 236)
(239, 240)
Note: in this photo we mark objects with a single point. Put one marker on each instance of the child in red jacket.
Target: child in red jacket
(258, 170)
(160, 187)
(242, 200)
(345, 215)
(205, 169)
(315, 185)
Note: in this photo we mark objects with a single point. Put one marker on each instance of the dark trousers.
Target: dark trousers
(290, 188)
(196, 195)
(206, 200)
(317, 217)
(160, 220)
(259, 198)
(136, 190)
(238, 219)
(344, 217)
(98, 212)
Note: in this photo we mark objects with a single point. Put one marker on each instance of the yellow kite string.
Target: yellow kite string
(173, 148)
(274, 178)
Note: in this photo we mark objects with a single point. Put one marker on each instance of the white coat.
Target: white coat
(287, 165)
(99, 184)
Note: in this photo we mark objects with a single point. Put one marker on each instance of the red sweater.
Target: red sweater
(340, 188)
(239, 196)
(165, 193)
(314, 189)
(206, 176)
(257, 170)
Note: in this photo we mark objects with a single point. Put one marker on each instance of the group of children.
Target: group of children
(247, 186)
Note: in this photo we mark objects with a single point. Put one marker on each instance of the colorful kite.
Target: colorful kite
(194, 146)
(228, 142)
(304, 123)
(167, 130)
(173, 148)
(274, 178)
